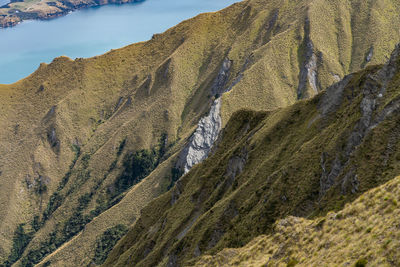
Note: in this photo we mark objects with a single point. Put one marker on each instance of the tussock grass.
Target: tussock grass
(143, 90)
(285, 151)
(362, 234)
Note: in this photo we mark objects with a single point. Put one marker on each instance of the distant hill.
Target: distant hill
(17, 11)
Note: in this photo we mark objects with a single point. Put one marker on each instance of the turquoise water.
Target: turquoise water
(90, 32)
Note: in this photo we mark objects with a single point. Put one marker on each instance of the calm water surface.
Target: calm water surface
(91, 32)
(3, 2)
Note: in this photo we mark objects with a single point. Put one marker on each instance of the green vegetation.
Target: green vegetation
(137, 165)
(55, 201)
(40, 186)
(36, 223)
(361, 263)
(338, 242)
(176, 173)
(292, 263)
(270, 165)
(20, 240)
(107, 241)
(163, 86)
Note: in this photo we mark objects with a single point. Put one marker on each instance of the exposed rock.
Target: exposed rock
(209, 127)
(16, 129)
(222, 78)
(41, 88)
(370, 54)
(271, 24)
(215, 236)
(336, 77)
(176, 192)
(332, 98)
(202, 140)
(308, 70)
(52, 139)
(172, 261)
(236, 165)
(118, 103)
(197, 251)
(149, 248)
(166, 68)
(189, 225)
(373, 88)
(327, 180)
(28, 181)
(144, 89)
(350, 183)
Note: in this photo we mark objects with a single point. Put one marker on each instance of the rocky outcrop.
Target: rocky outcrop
(218, 87)
(373, 89)
(202, 140)
(308, 70)
(209, 127)
(9, 21)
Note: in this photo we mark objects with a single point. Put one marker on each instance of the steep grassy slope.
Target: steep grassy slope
(73, 130)
(303, 160)
(365, 231)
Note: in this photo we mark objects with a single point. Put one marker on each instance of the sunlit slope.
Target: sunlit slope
(69, 119)
(365, 231)
(303, 160)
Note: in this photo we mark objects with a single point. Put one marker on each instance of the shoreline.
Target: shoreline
(58, 8)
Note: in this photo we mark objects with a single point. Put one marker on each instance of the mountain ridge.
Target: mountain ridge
(303, 160)
(80, 125)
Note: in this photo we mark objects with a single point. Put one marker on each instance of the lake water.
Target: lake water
(90, 32)
(3, 2)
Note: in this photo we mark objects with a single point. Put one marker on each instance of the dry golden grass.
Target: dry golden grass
(80, 250)
(85, 93)
(368, 228)
(284, 153)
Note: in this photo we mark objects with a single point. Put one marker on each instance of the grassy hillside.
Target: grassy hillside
(365, 231)
(72, 132)
(304, 160)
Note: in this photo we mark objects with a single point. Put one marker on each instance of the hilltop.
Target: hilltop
(89, 143)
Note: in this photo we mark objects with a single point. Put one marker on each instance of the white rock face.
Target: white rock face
(204, 137)
(312, 73)
(209, 127)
